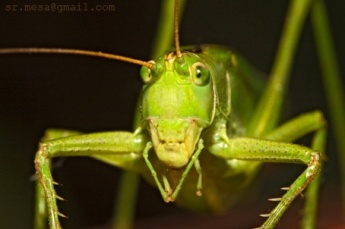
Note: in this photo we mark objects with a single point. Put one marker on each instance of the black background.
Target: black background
(88, 94)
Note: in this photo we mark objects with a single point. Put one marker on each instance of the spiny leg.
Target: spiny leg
(271, 151)
(124, 144)
(40, 202)
(294, 129)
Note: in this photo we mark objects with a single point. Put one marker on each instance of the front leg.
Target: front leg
(40, 202)
(270, 151)
(123, 147)
(294, 129)
(274, 151)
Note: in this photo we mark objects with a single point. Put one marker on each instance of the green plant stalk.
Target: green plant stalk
(332, 82)
(269, 107)
(165, 28)
(126, 200)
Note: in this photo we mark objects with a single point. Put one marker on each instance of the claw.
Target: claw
(285, 188)
(275, 199)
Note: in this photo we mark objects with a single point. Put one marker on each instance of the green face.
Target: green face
(181, 95)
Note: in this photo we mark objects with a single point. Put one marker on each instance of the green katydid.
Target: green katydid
(214, 135)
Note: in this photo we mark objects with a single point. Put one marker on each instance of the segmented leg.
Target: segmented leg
(40, 203)
(275, 151)
(294, 129)
(123, 148)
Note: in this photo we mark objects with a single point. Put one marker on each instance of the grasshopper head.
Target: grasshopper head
(177, 103)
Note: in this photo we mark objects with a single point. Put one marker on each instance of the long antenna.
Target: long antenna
(177, 42)
(76, 52)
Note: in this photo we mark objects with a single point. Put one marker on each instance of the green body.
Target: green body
(180, 108)
(189, 140)
(200, 135)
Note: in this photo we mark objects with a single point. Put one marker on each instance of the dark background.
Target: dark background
(89, 94)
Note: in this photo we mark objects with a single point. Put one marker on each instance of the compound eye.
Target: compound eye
(201, 75)
(146, 74)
